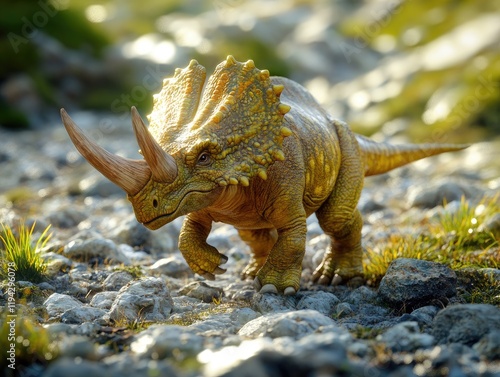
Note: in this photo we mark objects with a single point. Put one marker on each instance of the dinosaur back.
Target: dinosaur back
(383, 157)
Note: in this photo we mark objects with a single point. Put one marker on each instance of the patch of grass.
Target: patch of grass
(366, 333)
(31, 343)
(479, 286)
(19, 196)
(136, 326)
(462, 229)
(455, 238)
(135, 271)
(22, 254)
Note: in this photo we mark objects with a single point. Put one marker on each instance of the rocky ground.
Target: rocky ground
(120, 300)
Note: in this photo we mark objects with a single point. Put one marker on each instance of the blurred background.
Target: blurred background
(418, 70)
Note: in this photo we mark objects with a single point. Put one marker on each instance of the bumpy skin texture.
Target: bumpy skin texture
(259, 153)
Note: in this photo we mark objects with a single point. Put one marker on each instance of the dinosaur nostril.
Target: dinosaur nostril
(155, 203)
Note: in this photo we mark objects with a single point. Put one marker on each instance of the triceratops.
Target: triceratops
(256, 152)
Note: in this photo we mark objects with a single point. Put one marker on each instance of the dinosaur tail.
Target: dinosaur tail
(381, 157)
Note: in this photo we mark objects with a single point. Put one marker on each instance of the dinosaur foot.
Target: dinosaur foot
(271, 288)
(214, 268)
(352, 280)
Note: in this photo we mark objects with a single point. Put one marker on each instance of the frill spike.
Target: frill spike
(230, 60)
(278, 89)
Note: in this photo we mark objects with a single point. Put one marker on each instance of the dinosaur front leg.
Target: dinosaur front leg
(260, 242)
(282, 270)
(202, 258)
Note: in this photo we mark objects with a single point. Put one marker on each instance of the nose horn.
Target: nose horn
(162, 165)
(130, 175)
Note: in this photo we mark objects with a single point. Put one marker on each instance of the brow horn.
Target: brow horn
(130, 175)
(162, 165)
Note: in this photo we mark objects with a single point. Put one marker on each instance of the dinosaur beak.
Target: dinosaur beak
(162, 165)
(130, 175)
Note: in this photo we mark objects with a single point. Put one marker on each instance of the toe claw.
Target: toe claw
(256, 283)
(324, 280)
(268, 288)
(219, 271)
(337, 280)
(223, 259)
(208, 276)
(289, 291)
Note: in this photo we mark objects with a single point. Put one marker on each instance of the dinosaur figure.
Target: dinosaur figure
(256, 152)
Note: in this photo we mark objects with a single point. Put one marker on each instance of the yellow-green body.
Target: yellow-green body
(259, 153)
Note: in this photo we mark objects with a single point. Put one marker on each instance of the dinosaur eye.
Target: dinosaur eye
(204, 159)
(155, 203)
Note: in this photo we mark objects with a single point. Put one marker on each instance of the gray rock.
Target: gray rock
(216, 325)
(202, 291)
(406, 337)
(410, 283)
(489, 345)
(56, 263)
(162, 341)
(174, 266)
(66, 217)
(82, 314)
(323, 302)
(88, 329)
(58, 329)
(313, 355)
(135, 234)
(231, 360)
(368, 315)
(125, 364)
(424, 315)
(77, 346)
(98, 249)
(293, 324)
(436, 194)
(147, 299)
(95, 185)
(465, 323)
(64, 367)
(103, 300)
(116, 280)
(57, 303)
(272, 303)
(223, 324)
(242, 316)
(361, 295)
(44, 286)
(344, 310)
(185, 304)
(457, 359)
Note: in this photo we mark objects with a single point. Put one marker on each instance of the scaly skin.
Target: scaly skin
(259, 153)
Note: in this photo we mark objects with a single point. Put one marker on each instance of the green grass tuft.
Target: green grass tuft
(456, 239)
(23, 253)
(479, 286)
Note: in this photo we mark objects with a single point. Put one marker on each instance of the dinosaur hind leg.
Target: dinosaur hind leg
(260, 241)
(340, 218)
(342, 262)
